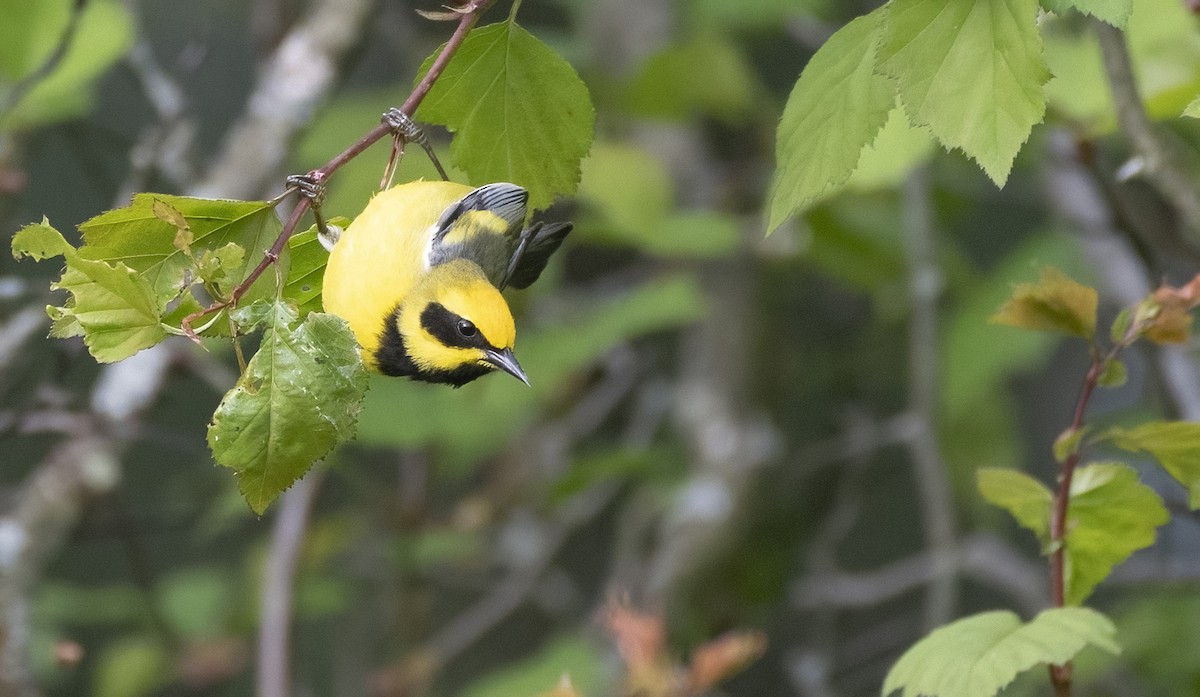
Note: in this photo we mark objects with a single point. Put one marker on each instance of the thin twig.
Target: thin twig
(1161, 158)
(929, 469)
(279, 576)
(470, 16)
(22, 88)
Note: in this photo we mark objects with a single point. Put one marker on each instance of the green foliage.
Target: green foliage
(299, 396)
(1153, 627)
(519, 111)
(1025, 498)
(135, 667)
(145, 236)
(306, 275)
(972, 71)
(1111, 516)
(29, 34)
(1175, 444)
(111, 305)
(705, 75)
(1115, 12)
(835, 110)
(1055, 303)
(978, 655)
(573, 656)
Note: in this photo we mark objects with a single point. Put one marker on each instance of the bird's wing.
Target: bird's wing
(483, 226)
(534, 248)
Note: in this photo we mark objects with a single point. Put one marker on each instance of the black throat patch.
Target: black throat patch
(392, 355)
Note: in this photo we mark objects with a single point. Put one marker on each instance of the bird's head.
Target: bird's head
(456, 326)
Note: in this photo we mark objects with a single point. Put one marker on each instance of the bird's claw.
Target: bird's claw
(313, 188)
(405, 130)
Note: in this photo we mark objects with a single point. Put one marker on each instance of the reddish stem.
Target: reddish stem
(470, 15)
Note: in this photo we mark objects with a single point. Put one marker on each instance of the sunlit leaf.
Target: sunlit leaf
(1111, 516)
(978, 655)
(970, 70)
(300, 395)
(1025, 498)
(136, 236)
(519, 111)
(1054, 303)
(110, 305)
(133, 667)
(1115, 12)
(1175, 444)
(836, 108)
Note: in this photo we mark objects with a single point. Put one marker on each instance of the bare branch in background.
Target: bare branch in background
(279, 581)
(1076, 195)
(1162, 156)
(933, 484)
(297, 77)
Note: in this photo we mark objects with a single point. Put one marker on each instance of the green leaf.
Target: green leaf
(138, 237)
(978, 655)
(836, 109)
(300, 396)
(133, 667)
(1055, 303)
(1068, 443)
(1175, 444)
(111, 305)
(1113, 374)
(970, 70)
(1112, 515)
(1115, 12)
(1193, 109)
(573, 655)
(886, 162)
(30, 32)
(520, 112)
(705, 75)
(306, 274)
(1025, 498)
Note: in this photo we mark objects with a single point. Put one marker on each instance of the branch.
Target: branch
(933, 486)
(1161, 157)
(470, 15)
(279, 576)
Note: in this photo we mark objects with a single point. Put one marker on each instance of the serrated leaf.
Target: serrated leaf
(836, 109)
(214, 265)
(111, 306)
(1175, 444)
(519, 111)
(970, 70)
(307, 273)
(1115, 12)
(1112, 515)
(300, 396)
(1025, 498)
(1054, 303)
(138, 237)
(978, 655)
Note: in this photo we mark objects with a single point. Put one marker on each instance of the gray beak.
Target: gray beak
(506, 361)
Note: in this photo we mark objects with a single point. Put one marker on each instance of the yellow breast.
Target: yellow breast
(381, 255)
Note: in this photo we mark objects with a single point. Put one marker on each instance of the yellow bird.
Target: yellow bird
(418, 276)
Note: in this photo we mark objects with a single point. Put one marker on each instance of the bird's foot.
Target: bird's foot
(405, 130)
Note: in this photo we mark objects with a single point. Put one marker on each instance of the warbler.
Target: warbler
(418, 274)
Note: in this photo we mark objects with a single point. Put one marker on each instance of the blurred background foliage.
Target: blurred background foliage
(726, 428)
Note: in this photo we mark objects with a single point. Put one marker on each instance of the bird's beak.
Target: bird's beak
(506, 361)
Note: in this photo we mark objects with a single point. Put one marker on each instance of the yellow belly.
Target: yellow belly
(381, 254)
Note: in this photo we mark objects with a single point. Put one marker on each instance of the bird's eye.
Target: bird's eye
(465, 328)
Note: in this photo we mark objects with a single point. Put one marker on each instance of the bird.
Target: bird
(418, 274)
